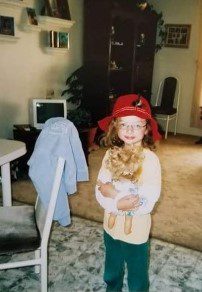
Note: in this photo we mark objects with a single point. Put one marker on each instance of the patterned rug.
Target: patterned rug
(76, 256)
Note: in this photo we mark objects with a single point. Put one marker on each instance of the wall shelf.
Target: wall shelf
(55, 24)
(30, 27)
(8, 38)
(51, 50)
(13, 3)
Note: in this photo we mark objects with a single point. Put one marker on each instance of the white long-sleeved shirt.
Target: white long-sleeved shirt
(149, 188)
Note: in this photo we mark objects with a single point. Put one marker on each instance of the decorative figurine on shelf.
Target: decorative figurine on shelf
(58, 8)
(113, 65)
(142, 5)
(112, 30)
(141, 41)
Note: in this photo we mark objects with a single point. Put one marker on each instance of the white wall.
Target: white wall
(179, 62)
(26, 71)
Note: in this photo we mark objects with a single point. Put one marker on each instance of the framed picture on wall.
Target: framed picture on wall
(177, 35)
(63, 40)
(47, 9)
(56, 8)
(7, 25)
(32, 16)
(58, 39)
(63, 9)
(53, 39)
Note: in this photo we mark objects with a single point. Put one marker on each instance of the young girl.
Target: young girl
(128, 187)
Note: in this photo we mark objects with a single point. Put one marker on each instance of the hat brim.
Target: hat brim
(104, 123)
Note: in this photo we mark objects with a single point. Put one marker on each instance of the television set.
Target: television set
(44, 109)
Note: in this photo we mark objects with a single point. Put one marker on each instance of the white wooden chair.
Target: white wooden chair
(167, 102)
(27, 228)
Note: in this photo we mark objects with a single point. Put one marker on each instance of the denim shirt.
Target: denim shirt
(59, 137)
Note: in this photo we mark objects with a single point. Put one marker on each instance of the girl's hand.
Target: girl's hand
(128, 203)
(107, 189)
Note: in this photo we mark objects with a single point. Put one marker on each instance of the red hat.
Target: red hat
(125, 106)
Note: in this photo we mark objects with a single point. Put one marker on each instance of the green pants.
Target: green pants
(136, 257)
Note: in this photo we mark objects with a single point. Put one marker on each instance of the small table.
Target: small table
(9, 150)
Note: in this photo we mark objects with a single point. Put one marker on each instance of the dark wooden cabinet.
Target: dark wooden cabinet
(119, 47)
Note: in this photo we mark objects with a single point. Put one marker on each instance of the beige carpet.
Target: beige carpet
(178, 215)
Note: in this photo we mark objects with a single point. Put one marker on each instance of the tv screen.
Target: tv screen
(43, 109)
(46, 111)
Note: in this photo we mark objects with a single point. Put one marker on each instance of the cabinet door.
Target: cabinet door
(144, 56)
(121, 54)
(96, 56)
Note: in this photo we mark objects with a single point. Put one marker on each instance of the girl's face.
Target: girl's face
(131, 130)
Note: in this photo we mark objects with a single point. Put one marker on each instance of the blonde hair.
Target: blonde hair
(125, 162)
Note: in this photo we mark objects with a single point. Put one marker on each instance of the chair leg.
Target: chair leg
(167, 122)
(44, 272)
(176, 120)
(37, 256)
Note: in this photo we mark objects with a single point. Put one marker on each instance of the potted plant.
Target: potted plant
(80, 116)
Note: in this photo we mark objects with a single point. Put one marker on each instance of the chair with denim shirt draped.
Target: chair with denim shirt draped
(27, 228)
